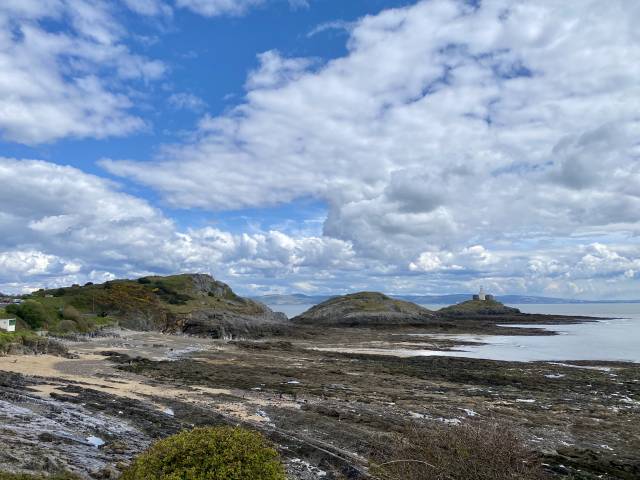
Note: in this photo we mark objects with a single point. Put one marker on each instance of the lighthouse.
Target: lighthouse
(483, 296)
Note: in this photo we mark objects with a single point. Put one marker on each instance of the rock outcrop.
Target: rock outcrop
(365, 309)
(30, 344)
(214, 310)
(478, 308)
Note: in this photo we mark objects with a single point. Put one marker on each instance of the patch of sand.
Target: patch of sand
(94, 371)
(241, 411)
(54, 367)
(215, 391)
(46, 390)
(61, 372)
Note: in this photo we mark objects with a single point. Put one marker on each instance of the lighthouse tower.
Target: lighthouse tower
(482, 295)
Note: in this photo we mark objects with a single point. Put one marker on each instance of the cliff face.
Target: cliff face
(197, 304)
(216, 311)
(365, 309)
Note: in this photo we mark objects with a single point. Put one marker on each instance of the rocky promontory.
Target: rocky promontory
(365, 309)
(189, 303)
(472, 308)
(216, 311)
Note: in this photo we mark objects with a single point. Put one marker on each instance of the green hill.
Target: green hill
(178, 303)
(365, 309)
(477, 308)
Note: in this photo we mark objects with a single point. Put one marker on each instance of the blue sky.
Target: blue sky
(322, 146)
(209, 58)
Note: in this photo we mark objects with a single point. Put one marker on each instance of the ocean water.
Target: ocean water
(291, 310)
(616, 338)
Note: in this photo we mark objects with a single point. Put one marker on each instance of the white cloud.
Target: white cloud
(63, 226)
(511, 125)
(149, 7)
(473, 258)
(213, 8)
(295, 4)
(59, 83)
(451, 145)
(339, 25)
(27, 263)
(275, 71)
(186, 101)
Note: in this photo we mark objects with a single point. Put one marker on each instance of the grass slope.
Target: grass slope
(145, 300)
(368, 302)
(478, 307)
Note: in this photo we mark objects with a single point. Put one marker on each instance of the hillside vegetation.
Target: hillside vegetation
(24, 340)
(478, 307)
(365, 308)
(170, 303)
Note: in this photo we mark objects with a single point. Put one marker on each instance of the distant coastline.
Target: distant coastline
(303, 299)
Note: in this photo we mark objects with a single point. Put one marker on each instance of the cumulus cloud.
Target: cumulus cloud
(61, 226)
(453, 145)
(276, 70)
(446, 126)
(66, 82)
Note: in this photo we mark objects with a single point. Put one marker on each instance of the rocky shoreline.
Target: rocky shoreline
(327, 411)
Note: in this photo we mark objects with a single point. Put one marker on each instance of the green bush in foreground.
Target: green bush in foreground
(221, 453)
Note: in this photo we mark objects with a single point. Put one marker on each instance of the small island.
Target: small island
(365, 309)
(481, 304)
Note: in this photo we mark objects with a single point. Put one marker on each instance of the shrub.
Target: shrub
(33, 313)
(70, 313)
(221, 453)
(66, 326)
(85, 325)
(59, 292)
(169, 295)
(473, 451)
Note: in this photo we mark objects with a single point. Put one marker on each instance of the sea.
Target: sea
(614, 338)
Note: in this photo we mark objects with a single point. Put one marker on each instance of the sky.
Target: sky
(323, 146)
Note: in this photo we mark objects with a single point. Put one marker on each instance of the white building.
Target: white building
(8, 324)
(482, 295)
